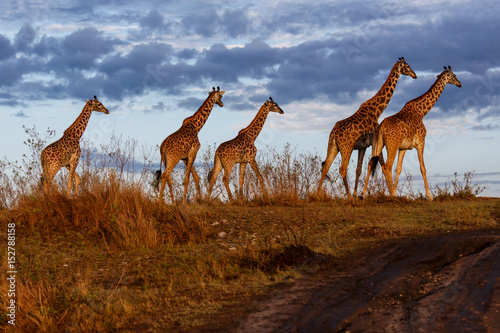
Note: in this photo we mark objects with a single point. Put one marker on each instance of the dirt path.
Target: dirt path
(440, 284)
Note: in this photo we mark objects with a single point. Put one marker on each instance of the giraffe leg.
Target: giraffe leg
(420, 151)
(368, 172)
(70, 181)
(48, 175)
(163, 181)
(166, 178)
(330, 157)
(399, 167)
(73, 162)
(377, 156)
(343, 169)
(387, 169)
(189, 167)
(359, 167)
(242, 177)
(225, 179)
(196, 180)
(255, 168)
(214, 173)
(48, 178)
(77, 182)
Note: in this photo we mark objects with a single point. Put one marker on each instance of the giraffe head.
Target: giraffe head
(95, 105)
(405, 69)
(217, 94)
(450, 77)
(273, 106)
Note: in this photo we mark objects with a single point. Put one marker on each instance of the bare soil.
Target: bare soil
(445, 283)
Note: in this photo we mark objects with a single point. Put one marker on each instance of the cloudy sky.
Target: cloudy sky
(152, 63)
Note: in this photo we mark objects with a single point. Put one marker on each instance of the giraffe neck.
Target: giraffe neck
(76, 129)
(253, 130)
(424, 103)
(198, 119)
(377, 104)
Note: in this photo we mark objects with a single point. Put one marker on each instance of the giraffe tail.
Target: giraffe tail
(377, 145)
(374, 161)
(209, 176)
(326, 176)
(157, 178)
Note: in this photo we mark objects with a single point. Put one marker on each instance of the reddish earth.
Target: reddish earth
(447, 283)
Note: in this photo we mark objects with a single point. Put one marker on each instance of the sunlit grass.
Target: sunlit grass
(115, 258)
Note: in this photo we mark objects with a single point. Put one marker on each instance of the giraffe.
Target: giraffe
(66, 151)
(241, 150)
(354, 132)
(184, 144)
(405, 130)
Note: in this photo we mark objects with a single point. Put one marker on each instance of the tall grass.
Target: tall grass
(291, 177)
(116, 201)
(113, 257)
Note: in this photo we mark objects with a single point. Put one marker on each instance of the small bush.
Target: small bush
(459, 190)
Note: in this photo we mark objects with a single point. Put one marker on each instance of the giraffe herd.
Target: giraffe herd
(398, 133)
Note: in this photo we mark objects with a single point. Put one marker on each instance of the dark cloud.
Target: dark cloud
(19, 114)
(190, 103)
(12, 70)
(231, 23)
(25, 37)
(242, 106)
(187, 54)
(235, 22)
(487, 127)
(140, 57)
(160, 106)
(6, 48)
(357, 45)
(254, 60)
(87, 40)
(153, 20)
(204, 24)
(46, 46)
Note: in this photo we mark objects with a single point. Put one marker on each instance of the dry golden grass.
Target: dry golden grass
(137, 265)
(113, 258)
